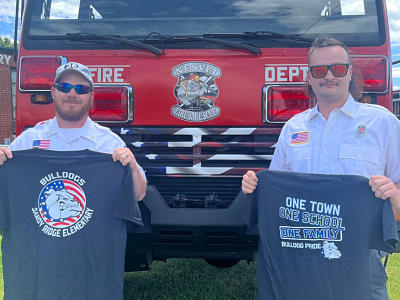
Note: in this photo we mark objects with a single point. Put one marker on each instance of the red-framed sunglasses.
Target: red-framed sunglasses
(338, 70)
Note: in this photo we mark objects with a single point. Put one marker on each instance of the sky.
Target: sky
(7, 13)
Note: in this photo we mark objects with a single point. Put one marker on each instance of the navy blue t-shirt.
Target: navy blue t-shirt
(63, 218)
(315, 235)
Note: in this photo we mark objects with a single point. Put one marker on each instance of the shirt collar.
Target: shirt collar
(312, 113)
(349, 108)
(52, 127)
(85, 132)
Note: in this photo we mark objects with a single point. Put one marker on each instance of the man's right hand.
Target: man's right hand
(4, 154)
(249, 182)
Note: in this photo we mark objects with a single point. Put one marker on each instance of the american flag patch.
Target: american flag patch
(299, 137)
(41, 144)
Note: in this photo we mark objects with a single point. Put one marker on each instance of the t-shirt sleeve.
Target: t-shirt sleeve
(127, 207)
(385, 235)
(119, 143)
(3, 202)
(250, 210)
(392, 154)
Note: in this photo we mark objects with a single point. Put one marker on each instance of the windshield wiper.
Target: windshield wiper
(91, 36)
(179, 38)
(262, 34)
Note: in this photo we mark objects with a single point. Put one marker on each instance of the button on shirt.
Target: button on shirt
(357, 139)
(48, 135)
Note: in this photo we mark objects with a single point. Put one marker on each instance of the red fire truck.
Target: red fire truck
(396, 103)
(199, 91)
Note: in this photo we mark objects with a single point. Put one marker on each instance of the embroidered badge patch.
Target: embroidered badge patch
(41, 144)
(299, 138)
(361, 130)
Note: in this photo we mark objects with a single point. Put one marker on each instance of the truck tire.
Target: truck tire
(222, 263)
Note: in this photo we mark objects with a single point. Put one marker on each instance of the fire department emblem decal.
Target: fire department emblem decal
(361, 130)
(196, 91)
(62, 209)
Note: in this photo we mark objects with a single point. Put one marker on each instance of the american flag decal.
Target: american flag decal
(299, 137)
(41, 144)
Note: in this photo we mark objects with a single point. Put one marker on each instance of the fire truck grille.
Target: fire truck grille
(197, 192)
(200, 167)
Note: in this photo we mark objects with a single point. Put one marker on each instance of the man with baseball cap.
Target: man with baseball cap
(74, 67)
(71, 129)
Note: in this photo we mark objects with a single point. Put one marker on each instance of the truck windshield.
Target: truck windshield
(356, 22)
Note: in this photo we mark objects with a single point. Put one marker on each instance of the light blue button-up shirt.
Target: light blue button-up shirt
(357, 139)
(91, 136)
(49, 135)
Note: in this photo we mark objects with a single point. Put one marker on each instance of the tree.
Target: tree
(6, 42)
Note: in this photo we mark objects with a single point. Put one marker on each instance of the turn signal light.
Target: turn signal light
(112, 104)
(37, 73)
(283, 102)
(375, 72)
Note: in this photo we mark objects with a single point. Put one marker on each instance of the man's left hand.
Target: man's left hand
(384, 188)
(125, 156)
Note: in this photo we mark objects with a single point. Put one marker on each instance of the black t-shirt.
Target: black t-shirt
(315, 235)
(63, 217)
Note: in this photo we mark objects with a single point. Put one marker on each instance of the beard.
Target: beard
(71, 115)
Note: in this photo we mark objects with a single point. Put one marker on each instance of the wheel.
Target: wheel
(222, 263)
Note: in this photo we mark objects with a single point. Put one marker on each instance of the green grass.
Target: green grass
(186, 279)
(1, 274)
(393, 272)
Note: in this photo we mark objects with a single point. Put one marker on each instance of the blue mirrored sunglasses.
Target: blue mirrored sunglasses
(80, 89)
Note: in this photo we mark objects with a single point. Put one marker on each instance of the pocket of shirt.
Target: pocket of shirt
(298, 158)
(361, 160)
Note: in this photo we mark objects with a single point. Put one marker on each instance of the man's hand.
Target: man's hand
(125, 156)
(4, 154)
(384, 188)
(249, 182)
